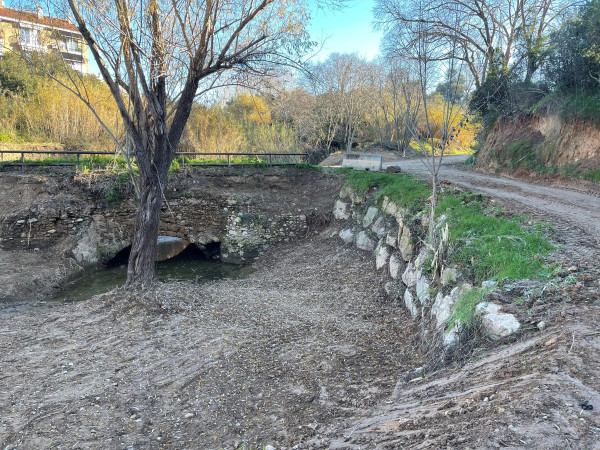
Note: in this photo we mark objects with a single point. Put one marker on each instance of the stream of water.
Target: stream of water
(103, 280)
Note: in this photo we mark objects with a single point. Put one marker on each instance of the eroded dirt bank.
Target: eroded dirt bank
(52, 226)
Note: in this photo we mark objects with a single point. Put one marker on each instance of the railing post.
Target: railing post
(22, 160)
(78, 159)
(182, 160)
(270, 160)
(228, 160)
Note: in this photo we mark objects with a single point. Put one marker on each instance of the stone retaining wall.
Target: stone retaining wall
(396, 238)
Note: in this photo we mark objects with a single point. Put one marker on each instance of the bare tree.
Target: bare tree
(345, 87)
(484, 31)
(399, 103)
(429, 64)
(158, 56)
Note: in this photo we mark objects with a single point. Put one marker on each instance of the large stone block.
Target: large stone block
(340, 210)
(369, 216)
(364, 242)
(382, 256)
(496, 323)
(409, 302)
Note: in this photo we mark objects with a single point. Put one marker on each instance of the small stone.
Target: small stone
(52, 231)
(79, 220)
(487, 399)
(541, 325)
(31, 220)
(379, 227)
(347, 236)
(489, 285)
(382, 256)
(188, 416)
(269, 447)
(571, 269)
(20, 222)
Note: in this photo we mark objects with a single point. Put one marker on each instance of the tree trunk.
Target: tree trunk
(141, 267)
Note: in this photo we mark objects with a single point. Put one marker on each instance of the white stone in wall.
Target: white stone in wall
(442, 308)
(396, 266)
(364, 242)
(392, 239)
(489, 285)
(450, 337)
(422, 288)
(409, 277)
(389, 207)
(340, 210)
(379, 227)
(347, 236)
(496, 323)
(409, 302)
(421, 257)
(405, 244)
(370, 216)
(382, 256)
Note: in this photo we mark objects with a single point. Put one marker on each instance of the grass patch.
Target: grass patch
(404, 190)
(464, 309)
(492, 247)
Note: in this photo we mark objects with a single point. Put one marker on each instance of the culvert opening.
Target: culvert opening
(198, 263)
(120, 259)
(172, 249)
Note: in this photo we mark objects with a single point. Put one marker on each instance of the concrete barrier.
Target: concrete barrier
(362, 161)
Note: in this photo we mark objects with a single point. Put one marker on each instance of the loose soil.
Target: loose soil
(305, 353)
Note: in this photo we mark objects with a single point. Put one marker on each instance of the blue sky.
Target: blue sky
(346, 31)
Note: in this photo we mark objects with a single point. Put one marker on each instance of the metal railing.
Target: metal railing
(184, 158)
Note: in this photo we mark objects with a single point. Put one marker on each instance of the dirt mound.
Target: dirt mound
(535, 142)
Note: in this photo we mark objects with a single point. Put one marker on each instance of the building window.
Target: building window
(30, 37)
(73, 45)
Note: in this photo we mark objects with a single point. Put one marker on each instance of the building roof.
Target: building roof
(26, 16)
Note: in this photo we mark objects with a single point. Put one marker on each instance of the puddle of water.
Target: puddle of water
(104, 280)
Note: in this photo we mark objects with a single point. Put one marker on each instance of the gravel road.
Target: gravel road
(574, 211)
